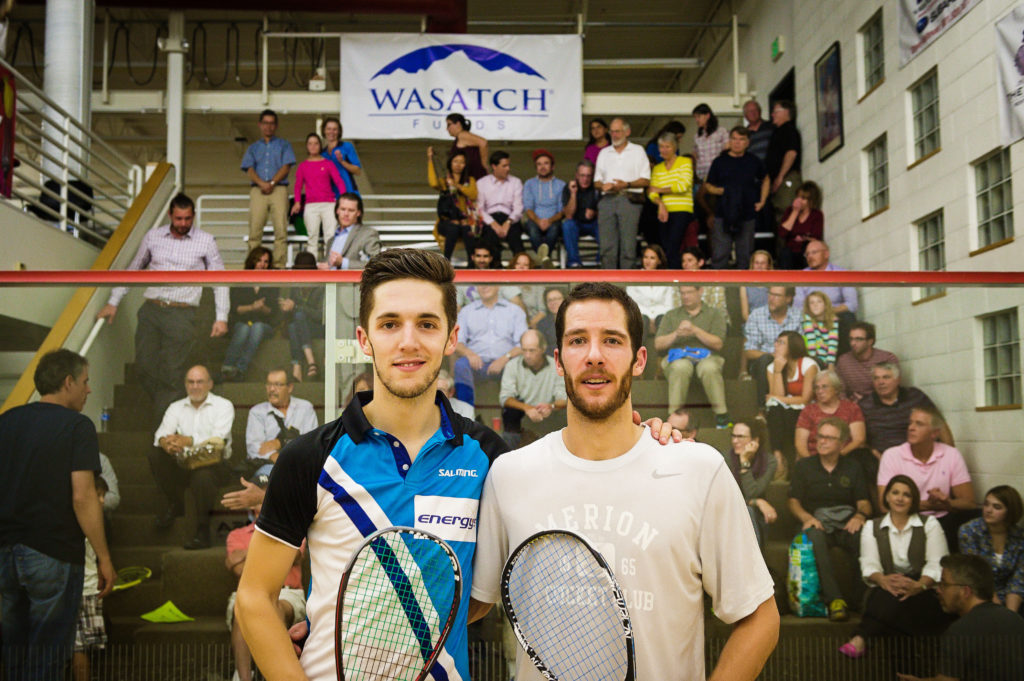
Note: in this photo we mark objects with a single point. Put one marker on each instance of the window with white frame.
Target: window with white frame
(874, 53)
(876, 156)
(924, 102)
(931, 248)
(994, 199)
(1001, 352)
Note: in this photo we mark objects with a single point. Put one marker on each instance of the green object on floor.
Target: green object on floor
(168, 612)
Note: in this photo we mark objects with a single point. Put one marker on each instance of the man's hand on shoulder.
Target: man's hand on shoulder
(662, 431)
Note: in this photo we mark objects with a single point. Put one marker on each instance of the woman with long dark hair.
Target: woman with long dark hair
(253, 309)
(303, 309)
(473, 146)
(790, 386)
(753, 466)
(342, 154)
(998, 538)
(460, 221)
(599, 139)
(710, 140)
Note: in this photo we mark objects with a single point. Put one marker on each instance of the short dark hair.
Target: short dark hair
(971, 571)
(289, 379)
(867, 327)
(408, 263)
(54, 367)
(1010, 498)
(304, 260)
(268, 112)
(497, 157)
(789, 106)
(740, 130)
(331, 119)
(318, 139)
(350, 196)
(915, 493)
(694, 251)
(842, 426)
(600, 290)
(182, 200)
(254, 257)
(585, 163)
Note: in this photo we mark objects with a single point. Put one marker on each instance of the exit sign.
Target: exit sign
(778, 48)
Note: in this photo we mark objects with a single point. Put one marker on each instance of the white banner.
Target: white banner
(923, 21)
(1010, 64)
(402, 86)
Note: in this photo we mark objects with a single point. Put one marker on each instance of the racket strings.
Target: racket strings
(391, 623)
(563, 602)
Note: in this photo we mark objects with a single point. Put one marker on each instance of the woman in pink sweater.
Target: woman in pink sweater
(317, 175)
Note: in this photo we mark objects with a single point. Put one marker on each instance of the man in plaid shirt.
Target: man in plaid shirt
(165, 335)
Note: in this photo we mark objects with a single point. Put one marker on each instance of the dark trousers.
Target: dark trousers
(514, 238)
(951, 523)
(886, 615)
(723, 238)
(452, 232)
(822, 542)
(512, 419)
(537, 236)
(782, 430)
(846, 319)
(673, 234)
(173, 480)
(164, 339)
(758, 370)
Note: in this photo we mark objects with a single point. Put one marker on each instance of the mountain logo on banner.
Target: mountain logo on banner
(424, 57)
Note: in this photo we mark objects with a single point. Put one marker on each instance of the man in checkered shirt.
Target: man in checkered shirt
(165, 335)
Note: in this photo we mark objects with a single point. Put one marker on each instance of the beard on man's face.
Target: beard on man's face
(601, 410)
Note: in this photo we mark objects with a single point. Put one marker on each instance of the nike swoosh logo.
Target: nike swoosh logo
(658, 476)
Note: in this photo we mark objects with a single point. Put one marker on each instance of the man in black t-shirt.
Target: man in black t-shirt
(48, 506)
(739, 179)
(782, 161)
(579, 201)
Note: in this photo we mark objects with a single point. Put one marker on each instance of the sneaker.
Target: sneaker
(837, 611)
(542, 253)
(722, 421)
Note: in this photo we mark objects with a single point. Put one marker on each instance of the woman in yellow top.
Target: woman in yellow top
(671, 191)
(456, 217)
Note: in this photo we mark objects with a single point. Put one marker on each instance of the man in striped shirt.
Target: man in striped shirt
(165, 335)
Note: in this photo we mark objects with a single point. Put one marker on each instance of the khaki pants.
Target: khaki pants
(276, 203)
(709, 371)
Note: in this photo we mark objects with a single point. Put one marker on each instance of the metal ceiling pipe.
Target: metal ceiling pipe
(67, 70)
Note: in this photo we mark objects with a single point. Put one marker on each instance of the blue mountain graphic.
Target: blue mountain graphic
(421, 59)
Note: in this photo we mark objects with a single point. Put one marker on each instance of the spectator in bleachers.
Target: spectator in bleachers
(820, 329)
(997, 538)
(472, 145)
(359, 383)
(459, 220)
(986, 642)
(599, 139)
(763, 326)
(760, 130)
(802, 223)
(254, 311)
(855, 366)
(322, 183)
(899, 560)
(542, 205)
(710, 140)
(579, 206)
(200, 421)
(753, 297)
(738, 179)
(303, 311)
(939, 470)
(530, 297)
(291, 602)
(622, 173)
(165, 334)
(277, 421)
(500, 206)
(782, 160)
(754, 468)
(713, 296)
(828, 403)
(671, 190)
(844, 298)
(654, 300)
(831, 498)
(489, 332)
(790, 378)
(267, 163)
(693, 335)
(530, 387)
(342, 154)
(446, 385)
(682, 420)
(553, 297)
(887, 409)
(354, 243)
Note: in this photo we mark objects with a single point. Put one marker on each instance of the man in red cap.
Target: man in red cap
(542, 205)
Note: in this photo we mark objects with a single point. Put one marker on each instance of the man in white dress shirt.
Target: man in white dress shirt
(200, 420)
(621, 174)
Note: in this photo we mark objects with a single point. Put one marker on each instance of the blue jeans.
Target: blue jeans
(300, 335)
(571, 232)
(245, 339)
(465, 379)
(537, 237)
(41, 596)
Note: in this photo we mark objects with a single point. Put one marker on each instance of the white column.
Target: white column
(67, 75)
(174, 46)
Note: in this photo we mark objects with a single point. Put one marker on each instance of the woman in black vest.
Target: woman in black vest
(899, 558)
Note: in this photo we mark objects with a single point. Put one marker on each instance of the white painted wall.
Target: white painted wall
(938, 341)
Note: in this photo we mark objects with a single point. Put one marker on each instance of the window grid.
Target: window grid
(925, 103)
(874, 54)
(878, 175)
(931, 249)
(1001, 351)
(994, 198)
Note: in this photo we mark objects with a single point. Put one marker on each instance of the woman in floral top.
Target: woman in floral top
(820, 329)
(997, 538)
